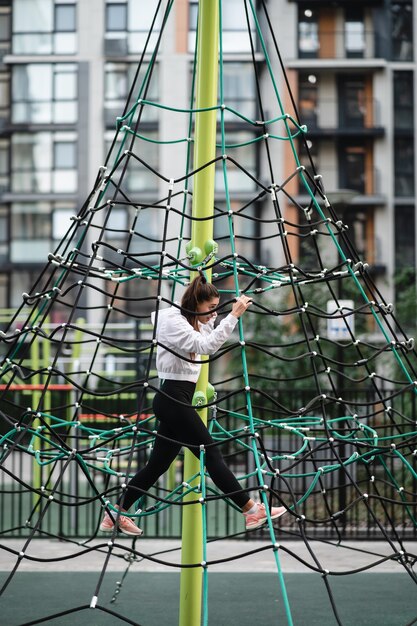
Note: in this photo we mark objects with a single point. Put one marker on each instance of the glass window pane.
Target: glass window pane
(152, 90)
(61, 222)
(65, 17)
(193, 15)
(116, 17)
(31, 221)
(3, 283)
(3, 225)
(4, 27)
(4, 93)
(402, 31)
(65, 43)
(4, 157)
(116, 223)
(39, 112)
(36, 43)
(308, 32)
(29, 151)
(64, 155)
(65, 82)
(39, 250)
(352, 168)
(32, 16)
(116, 81)
(352, 102)
(355, 37)
(31, 162)
(404, 236)
(403, 100)
(32, 82)
(141, 14)
(64, 181)
(404, 166)
(64, 112)
(239, 89)
(137, 41)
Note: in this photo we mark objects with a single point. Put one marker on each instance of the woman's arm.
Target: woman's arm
(177, 332)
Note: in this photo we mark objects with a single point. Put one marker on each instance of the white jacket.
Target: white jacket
(174, 332)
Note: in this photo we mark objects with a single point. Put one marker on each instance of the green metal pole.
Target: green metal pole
(202, 232)
(36, 468)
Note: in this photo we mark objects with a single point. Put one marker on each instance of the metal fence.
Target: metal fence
(75, 510)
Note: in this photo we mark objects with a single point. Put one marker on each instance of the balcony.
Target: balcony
(120, 44)
(336, 117)
(340, 3)
(44, 43)
(330, 48)
(368, 185)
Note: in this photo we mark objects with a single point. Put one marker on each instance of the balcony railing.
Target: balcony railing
(37, 43)
(341, 115)
(367, 183)
(336, 44)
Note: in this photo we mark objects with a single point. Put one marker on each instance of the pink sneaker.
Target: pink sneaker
(255, 520)
(124, 524)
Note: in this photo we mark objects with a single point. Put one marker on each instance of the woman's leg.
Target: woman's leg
(162, 455)
(192, 431)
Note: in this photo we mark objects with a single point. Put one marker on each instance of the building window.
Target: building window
(235, 29)
(354, 32)
(308, 99)
(4, 236)
(351, 99)
(137, 178)
(44, 162)
(309, 157)
(118, 80)
(403, 100)
(404, 236)
(4, 97)
(44, 224)
(44, 27)
(4, 165)
(404, 166)
(4, 27)
(308, 32)
(128, 25)
(244, 231)
(44, 93)
(116, 17)
(239, 90)
(23, 281)
(245, 155)
(405, 264)
(402, 31)
(61, 220)
(352, 168)
(65, 18)
(4, 290)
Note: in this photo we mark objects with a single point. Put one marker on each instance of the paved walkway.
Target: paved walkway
(294, 556)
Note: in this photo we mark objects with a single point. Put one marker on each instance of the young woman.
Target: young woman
(183, 334)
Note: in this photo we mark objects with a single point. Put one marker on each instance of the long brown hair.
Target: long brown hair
(199, 290)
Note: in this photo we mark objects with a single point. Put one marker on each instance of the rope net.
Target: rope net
(314, 405)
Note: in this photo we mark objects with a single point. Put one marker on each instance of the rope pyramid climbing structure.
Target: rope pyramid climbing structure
(355, 432)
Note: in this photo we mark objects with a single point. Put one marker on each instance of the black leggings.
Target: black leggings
(181, 423)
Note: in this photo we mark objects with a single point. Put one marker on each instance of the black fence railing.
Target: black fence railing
(331, 501)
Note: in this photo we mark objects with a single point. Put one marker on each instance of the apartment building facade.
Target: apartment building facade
(65, 72)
